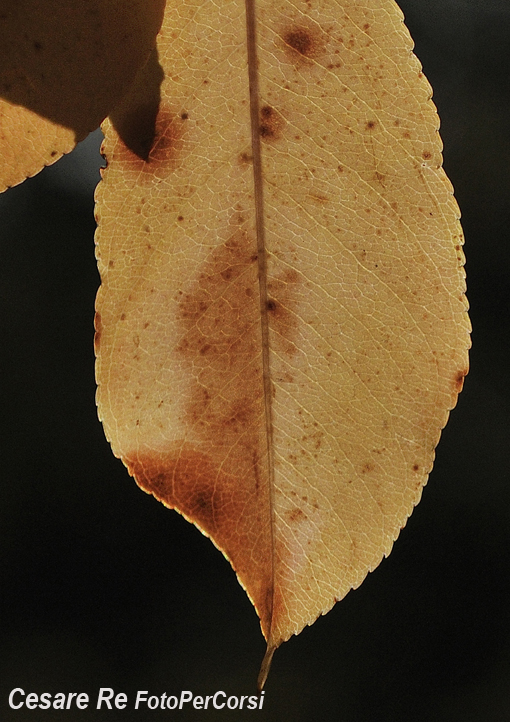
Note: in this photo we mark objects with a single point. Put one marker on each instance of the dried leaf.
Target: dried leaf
(282, 327)
(63, 67)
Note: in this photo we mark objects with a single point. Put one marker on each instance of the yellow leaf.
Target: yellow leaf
(282, 327)
(63, 67)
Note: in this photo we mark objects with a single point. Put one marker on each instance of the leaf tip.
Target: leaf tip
(265, 667)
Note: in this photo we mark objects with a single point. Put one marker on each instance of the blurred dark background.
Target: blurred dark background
(103, 587)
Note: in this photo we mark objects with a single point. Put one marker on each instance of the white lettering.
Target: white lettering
(234, 701)
(139, 697)
(172, 702)
(107, 698)
(153, 702)
(59, 701)
(82, 701)
(45, 700)
(217, 706)
(31, 700)
(11, 698)
(183, 700)
(105, 695)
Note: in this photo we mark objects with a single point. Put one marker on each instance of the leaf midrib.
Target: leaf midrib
(253, 79)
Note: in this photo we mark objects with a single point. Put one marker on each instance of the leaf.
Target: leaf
(281, 328)
(63, 68)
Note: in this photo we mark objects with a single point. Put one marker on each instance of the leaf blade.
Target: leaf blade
(290, 400)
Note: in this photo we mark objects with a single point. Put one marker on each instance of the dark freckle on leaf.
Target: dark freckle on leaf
(53, 153)
(415, 467)
(271, 123)
(299, 40)
(180, 218)
(227, 274)
(371, 124)
(271, 305)
(184, 116)
(459, 380)
(37, 45)
(427, 154)
(296, 515)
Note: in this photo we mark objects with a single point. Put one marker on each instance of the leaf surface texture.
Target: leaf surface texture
(282, 327)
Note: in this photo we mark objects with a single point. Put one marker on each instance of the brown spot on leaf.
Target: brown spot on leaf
(296, 515)
(302, 43)
(459, 380)
(299, 40)
(205, 488)
(271, 123)
(283, 320)
(245, 158)
(98, 330)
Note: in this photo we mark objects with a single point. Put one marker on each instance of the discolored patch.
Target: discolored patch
(271, 123)
(245, 159)
(296, 515)
(459, 380)
(300, 40)
(185, 480)
(98, 326)
(302, 43)
(213, 495)
(283, 319)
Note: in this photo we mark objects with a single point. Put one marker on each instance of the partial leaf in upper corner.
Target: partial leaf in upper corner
(282, 327)
(63, 67)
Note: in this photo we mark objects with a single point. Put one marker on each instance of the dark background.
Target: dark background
(101, 586)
